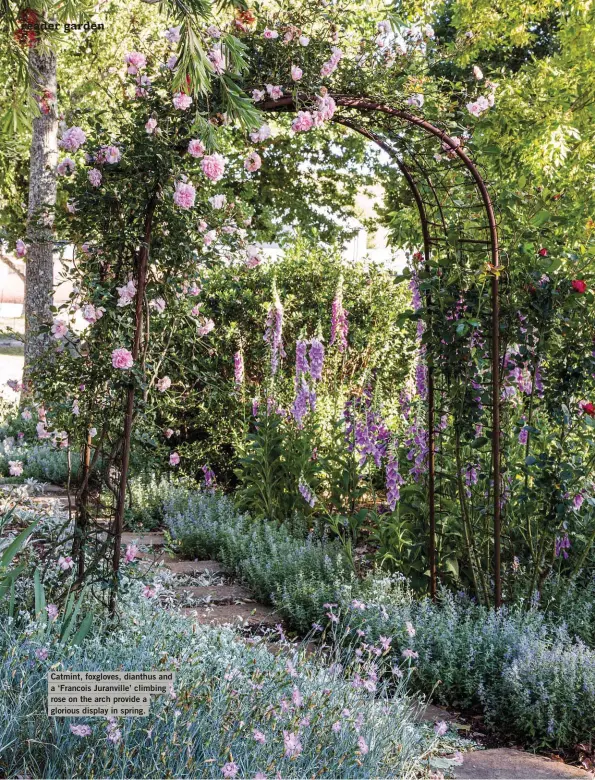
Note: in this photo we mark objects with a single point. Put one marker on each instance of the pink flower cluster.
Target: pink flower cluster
(126, 293)
(135, 61)
(196, 148)
(184, 195)
(72, 139)
(213, 166)
(253, 162)
(331, 65)
(182, 101)
(122, 358)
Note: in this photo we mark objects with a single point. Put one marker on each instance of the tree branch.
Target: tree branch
(13, 267)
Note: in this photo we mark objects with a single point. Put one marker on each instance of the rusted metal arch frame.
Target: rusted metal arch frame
(364, 104)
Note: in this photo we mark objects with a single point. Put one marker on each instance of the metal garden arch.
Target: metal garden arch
(459, 187)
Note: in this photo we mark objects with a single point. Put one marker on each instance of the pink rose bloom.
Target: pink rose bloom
(174, 459)
(206, 327)
(209, 237)
(26, 414)
(182, 101)
(131, 553)
(196, 148)
(21, 248)
(52, 611)
(258, 95)
(184, 195)
(303, 40)
(253, 258)
(261, 134)
(303, 122)
(217, 60)
(135, 61)
(126, 293)
(149, 592)
(91, 313)
(122, 358)
(218, 201)
(65, 167)
(94, 177)
(173, 34)
(213, 166)
(158, 304)
(163, 384)
(15, 468)
(111, 154)
(41, 431)
(59, 329)
(275, 92)
(72, 139)
(270, 35)
(195, 311)
(151, 125)
(168, 433)
(253, 162)
(296, 73)
(65, 563)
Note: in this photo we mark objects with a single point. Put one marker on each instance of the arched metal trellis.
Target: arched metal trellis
(458, 189)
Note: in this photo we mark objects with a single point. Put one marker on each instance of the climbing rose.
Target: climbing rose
(588, 408)
(122, 358)
(330, 65)
(72, 139)
(196, 148)
(92, 313)
(94, 177)
(213, 166)
(206, 327)
(59, 329)
(15, 468)
(182, 101)
(303, 40)
(218, 201)
(173, 34)
(21, 248)
(135, 61)
(478, 107)
(108, 154)
(303, 122)
(296, 73)
(542, 252)
(263, 132)
(258, 95)
(174, 459)
(253, 162)
(66, 166)
(270, 34)
(184, 195)
(163, 384)
(217, 60)
(126, 293)
(275, 92)
(151, 125)
(579, 286)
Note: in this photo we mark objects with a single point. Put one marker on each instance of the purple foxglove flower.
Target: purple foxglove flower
(316, 359)
(339, 324)
(273, 334)
(306, 493)
(238, 366)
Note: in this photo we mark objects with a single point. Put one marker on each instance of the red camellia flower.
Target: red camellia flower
(588, 408)
(543, 252)
(579, 286)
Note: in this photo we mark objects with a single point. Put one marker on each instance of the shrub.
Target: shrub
(148, 494)
(224, 691)
(43, 462)
(296, 575)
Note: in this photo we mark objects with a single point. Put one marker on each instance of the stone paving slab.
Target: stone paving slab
(509, 764)
(425, 713)
(248, 615)
(215, 594)
(191, 567)
(148, 539)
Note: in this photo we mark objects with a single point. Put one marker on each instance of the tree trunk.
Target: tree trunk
(39, 282)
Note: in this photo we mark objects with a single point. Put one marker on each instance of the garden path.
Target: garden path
(230, 603)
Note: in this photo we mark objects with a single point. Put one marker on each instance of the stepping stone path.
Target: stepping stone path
(227, 603)
(213, 604)
(509, 764)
